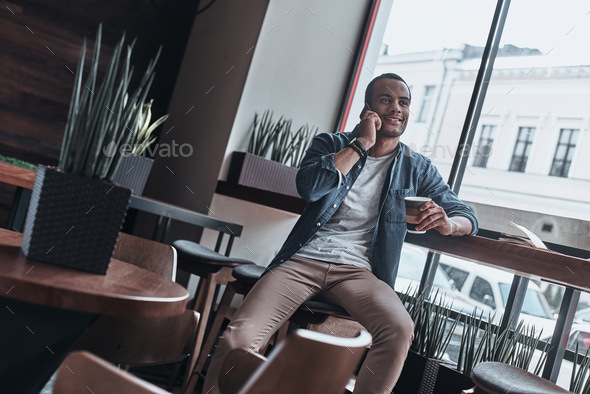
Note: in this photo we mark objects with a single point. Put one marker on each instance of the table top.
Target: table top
(17, 176)
(522, 260)
(126, 290)
(184, 215)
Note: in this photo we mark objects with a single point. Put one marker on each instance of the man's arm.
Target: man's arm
(347, 158)
(319, 172)
(446, 213)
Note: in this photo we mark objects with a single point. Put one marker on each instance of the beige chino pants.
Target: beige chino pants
(279, 293)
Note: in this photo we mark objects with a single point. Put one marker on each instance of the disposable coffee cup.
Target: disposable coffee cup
(413, 205)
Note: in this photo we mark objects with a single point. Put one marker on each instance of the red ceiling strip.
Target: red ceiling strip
(361, 60)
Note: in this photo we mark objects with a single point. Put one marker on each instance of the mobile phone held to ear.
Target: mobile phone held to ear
(365, 108)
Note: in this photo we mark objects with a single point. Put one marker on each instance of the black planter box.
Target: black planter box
(74, 221)
(418, 376)
(253, 171)
(450, 380)
(133, 173)
(422, 375)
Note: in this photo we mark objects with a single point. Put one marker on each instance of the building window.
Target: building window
(484, 149)
(426, 103)
(564, 152)
(522, 149)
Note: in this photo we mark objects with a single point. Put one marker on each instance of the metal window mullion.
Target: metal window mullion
(563, 325)
(478, 96)
(471, 120)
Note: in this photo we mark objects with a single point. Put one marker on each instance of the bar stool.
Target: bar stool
(213, 269)
(246, 276)
(499, 378)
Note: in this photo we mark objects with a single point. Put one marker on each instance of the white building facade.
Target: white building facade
(530, 157)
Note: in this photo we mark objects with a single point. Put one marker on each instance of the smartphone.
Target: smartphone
(365, 108)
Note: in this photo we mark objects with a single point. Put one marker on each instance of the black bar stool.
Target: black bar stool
(246, 276)
(213, 269)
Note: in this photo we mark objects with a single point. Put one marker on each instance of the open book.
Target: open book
(529, 239)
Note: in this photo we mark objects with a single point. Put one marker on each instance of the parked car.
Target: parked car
(488, 289)
(412, 262)
(580, 332)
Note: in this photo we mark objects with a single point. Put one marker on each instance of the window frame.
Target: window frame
(479, 135)
(424, 116)
(567, 151)
(528, 144)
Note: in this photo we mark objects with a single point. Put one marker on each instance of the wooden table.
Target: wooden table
(46, 308)
(522, 260)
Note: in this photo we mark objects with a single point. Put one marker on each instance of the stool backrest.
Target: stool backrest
(151, 255)
(305, 362)
(143, 341)
(82, 371)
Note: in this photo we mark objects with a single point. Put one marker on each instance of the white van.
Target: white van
(488, 289)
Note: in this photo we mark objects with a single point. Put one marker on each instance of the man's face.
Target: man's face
(391, 101)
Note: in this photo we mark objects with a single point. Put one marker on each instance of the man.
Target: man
(345, 248)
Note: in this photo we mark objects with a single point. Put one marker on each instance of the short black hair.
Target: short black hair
(369, 91)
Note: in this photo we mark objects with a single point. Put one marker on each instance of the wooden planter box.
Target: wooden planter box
(422, 375)
(253, 171)
(74, 221)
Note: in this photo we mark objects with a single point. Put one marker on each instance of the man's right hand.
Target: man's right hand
(370, 123)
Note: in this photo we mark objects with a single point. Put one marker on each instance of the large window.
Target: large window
(564, 152)
(540, 87)
(483, 150)
(426, 103)
(522, 149)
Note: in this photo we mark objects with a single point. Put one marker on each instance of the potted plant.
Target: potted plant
(433, 330)
(134, 168)
(283, 148)
(76, 212)
(425, 371)
(580, 382)
(515, 347)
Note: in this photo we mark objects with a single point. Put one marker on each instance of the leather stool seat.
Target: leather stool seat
(324, 307)
(199, 254)
(248, 274)
(495, 377)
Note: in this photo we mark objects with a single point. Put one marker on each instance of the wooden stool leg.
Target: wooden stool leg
(276, 338)
(173, 375)
(282, 333)
(224, 305)
(190, 387)
(197, 300)
(203, 306)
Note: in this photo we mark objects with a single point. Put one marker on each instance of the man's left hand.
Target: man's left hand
(433, 216)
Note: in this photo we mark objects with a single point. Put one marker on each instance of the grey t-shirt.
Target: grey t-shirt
(346, 238)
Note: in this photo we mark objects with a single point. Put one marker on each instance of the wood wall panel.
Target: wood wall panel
(35, 83)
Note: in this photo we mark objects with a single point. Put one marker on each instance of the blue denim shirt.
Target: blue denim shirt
(410, 174)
